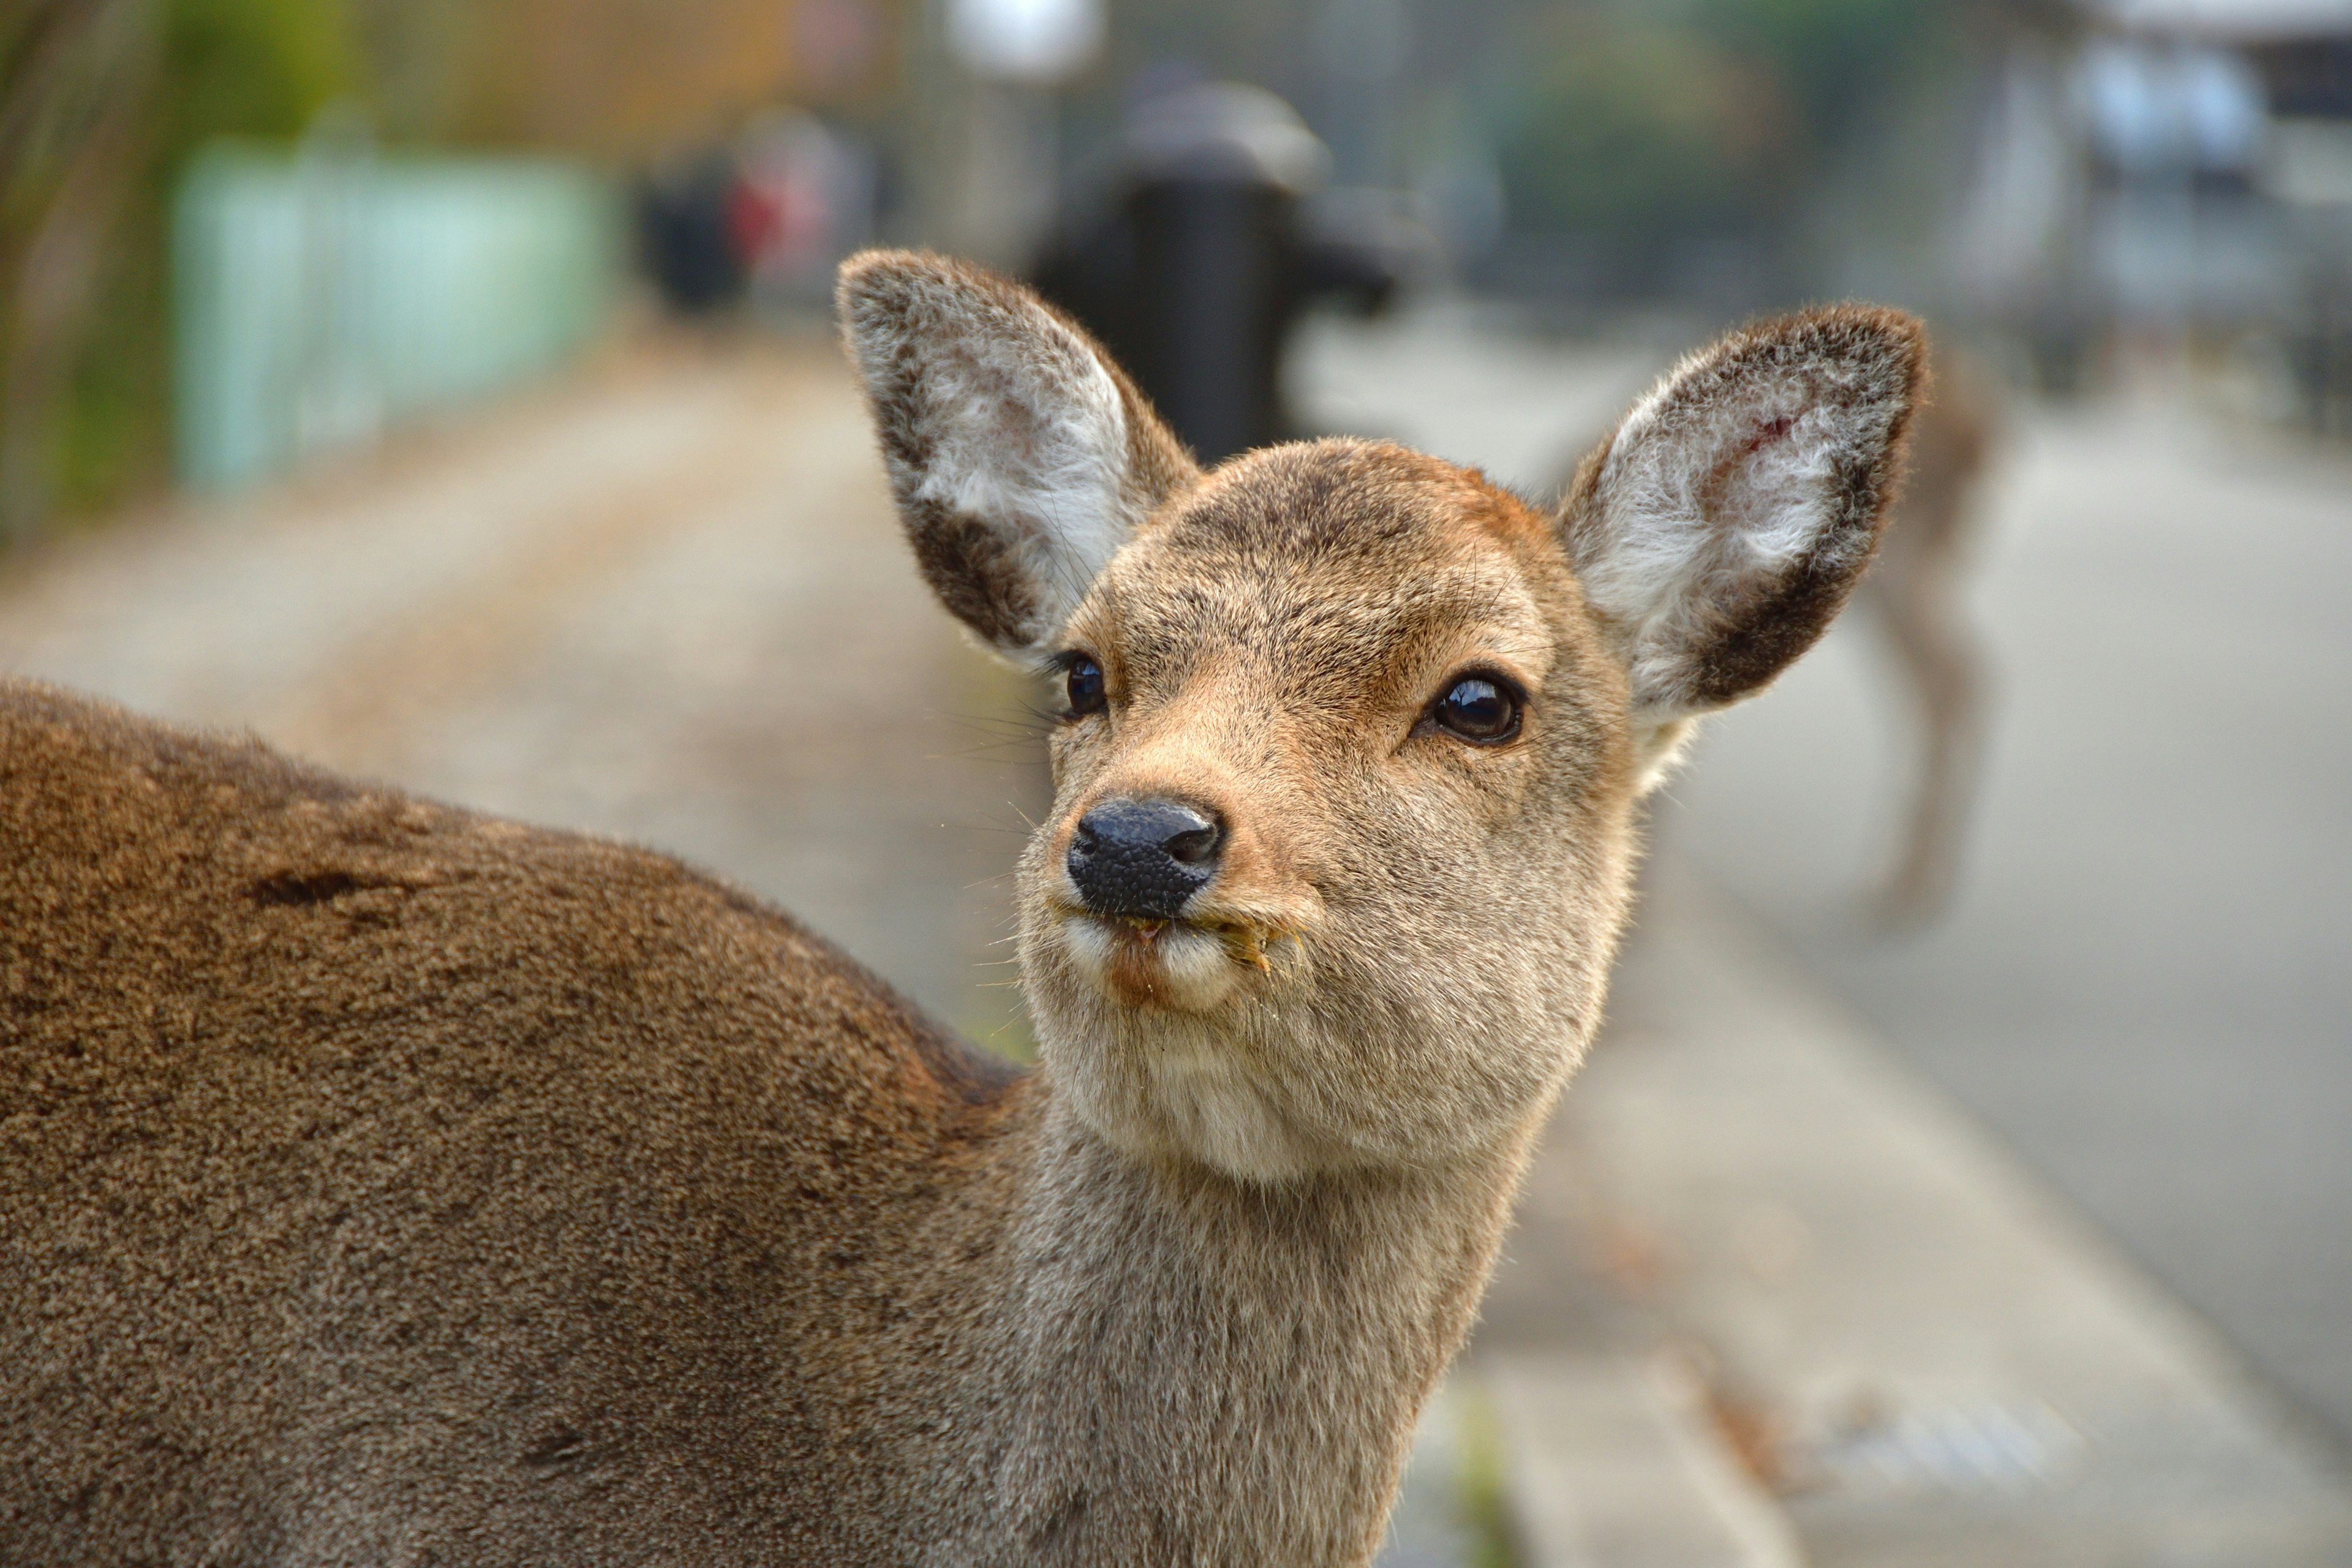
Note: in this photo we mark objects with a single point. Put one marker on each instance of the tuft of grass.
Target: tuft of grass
(1484, 1494)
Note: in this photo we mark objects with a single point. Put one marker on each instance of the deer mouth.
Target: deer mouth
(1188, 964)
(1244, 942)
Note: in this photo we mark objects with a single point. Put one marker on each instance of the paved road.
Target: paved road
(2147, 984)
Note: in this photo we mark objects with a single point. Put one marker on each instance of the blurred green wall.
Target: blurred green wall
(319, 295)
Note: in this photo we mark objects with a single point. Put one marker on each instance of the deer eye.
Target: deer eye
(1483, 709)
(1083, 684)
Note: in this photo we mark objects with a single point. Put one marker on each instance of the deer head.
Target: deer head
(1351, 738)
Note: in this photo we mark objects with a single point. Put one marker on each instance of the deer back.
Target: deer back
(356, 1147)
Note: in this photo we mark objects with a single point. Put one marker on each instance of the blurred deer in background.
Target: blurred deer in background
(382, 1182)
(1916, 593)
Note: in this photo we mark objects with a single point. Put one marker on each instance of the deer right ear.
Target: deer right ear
(1721, 528)
(1020, 457)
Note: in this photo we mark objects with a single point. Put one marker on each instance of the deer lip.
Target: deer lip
(1138, 939)
(1144, 929)
(1151, 964)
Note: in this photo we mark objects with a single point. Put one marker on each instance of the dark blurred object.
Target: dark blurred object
(686, 224)
(2317, 337)
(766, 216)
(2309, 174)
(1205, 250)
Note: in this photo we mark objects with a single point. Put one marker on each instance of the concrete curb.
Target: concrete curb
(1929, 1359)
(1613, 1463)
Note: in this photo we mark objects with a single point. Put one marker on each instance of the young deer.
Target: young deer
(384, 1184)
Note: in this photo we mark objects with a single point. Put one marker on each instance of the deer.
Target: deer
(385, 1183)
(1917, 595)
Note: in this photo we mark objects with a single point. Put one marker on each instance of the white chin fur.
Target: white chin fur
(1183, 1089)
(1192, 972)
(1213, 1109)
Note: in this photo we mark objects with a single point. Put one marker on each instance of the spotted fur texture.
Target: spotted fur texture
(384, 1184)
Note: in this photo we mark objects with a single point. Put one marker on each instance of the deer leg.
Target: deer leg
(1938, 659)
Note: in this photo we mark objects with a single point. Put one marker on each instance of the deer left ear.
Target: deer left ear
(1020, 457)
(1722, 526)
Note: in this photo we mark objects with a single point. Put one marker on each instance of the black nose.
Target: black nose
(1143, 858)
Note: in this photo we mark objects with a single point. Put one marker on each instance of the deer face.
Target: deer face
(1335, 863)
(1351, 739)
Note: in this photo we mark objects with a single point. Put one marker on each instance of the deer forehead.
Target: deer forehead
(1343, 568)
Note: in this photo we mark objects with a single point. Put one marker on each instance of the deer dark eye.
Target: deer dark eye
(1479, 707)
(1083, 681)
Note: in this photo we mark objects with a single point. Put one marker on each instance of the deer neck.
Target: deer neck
(1195, 1369)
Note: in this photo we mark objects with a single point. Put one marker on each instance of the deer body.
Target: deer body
(381, 1182)
(594, 1205)
(1918, 594)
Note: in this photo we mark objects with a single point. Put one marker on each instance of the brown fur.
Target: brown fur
(385, 1184)
(381, 1182)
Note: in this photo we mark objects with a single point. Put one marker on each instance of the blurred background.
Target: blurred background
(444, 389)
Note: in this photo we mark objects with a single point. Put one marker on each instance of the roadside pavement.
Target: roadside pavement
(2143, 984)
(1774, 1298)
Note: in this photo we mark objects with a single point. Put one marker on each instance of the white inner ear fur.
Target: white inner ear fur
(1659, 747)
(1701, 498)
(1030, 433)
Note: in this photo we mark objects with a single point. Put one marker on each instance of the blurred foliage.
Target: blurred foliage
(1645, 133)
(1835, 58)
(248, 67)
(1634, 127)
(104, 101)
(1485, 1499)
(626, 76)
